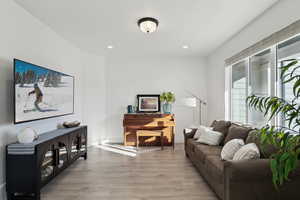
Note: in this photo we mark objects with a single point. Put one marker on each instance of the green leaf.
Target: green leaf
(295, 86)
(284, 69)
(275, 173)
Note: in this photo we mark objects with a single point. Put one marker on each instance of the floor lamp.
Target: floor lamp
(192, 102)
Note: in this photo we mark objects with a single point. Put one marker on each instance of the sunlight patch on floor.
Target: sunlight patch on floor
(127, 150)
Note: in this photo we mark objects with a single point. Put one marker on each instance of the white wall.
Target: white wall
(127, 77)
(94, 97)
(23, 36)
(277, 17)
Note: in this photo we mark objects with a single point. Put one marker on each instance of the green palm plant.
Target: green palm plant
(284, 138)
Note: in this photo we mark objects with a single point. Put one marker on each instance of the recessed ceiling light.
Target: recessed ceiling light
(110, 47)
(185, 46)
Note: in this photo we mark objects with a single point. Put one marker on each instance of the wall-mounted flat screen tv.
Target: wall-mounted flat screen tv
(41, 93)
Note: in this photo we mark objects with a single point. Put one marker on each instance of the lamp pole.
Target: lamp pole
(200, 111)
(200, 104)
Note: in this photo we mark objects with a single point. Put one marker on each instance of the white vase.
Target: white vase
(27, 135)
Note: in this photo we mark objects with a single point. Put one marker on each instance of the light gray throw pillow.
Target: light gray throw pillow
(201, 129)
(210, 137)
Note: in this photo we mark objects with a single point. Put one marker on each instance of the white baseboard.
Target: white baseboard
(2, 191)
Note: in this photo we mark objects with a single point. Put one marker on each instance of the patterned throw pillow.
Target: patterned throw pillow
(247, 152)
(210, 137)
(230, 148)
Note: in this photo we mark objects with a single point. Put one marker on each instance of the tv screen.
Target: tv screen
(41, 93)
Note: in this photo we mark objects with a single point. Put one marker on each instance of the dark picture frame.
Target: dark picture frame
(41, 118)
(148, 103)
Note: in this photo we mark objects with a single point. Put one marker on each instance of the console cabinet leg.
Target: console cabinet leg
(37, 196)
(9, 196)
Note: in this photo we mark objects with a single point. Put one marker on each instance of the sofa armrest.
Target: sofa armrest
(188, 133)
(252, 179)
(247, 170)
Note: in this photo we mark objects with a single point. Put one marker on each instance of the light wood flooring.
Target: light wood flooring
(158, 175)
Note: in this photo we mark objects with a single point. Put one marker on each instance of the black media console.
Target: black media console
(31, 166)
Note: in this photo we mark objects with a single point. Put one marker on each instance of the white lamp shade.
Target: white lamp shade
(190, 102)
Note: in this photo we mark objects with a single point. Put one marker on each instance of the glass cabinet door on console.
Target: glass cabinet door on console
(62, 154)
(75, 147)
(47, 167)
(83, 141)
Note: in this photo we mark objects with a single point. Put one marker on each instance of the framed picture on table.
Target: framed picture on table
(148, 103)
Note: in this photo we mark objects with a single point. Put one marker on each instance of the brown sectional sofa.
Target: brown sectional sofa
(238, 180)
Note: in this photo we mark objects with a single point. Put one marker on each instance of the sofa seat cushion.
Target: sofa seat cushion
(215, 167)
(202, 151)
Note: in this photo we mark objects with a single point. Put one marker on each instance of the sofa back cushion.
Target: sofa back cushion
(265, 150)
(221, 126)
(213, 123)
(237, 132)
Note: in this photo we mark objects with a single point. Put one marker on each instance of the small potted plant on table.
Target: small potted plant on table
(167, 98)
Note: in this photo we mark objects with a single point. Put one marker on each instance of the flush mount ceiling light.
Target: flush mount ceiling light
(110, 47)
(185, 46)
(148, 24)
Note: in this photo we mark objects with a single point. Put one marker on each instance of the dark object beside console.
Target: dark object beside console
(29, 167)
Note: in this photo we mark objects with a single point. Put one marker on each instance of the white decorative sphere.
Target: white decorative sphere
(27, 135)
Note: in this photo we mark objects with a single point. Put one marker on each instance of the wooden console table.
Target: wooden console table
(134, 122)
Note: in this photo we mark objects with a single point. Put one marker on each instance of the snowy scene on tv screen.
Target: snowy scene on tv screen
(41, 93)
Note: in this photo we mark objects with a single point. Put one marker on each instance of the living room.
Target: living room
(197, 61)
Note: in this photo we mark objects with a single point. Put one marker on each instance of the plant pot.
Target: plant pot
(167, 108)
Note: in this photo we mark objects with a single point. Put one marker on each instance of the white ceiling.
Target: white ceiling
(92, 25)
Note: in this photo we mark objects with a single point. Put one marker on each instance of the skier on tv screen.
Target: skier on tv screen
(39, 96)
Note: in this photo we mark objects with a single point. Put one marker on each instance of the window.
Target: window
(287, 50)
(239, 92)
(260, 83)
(260, 75)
